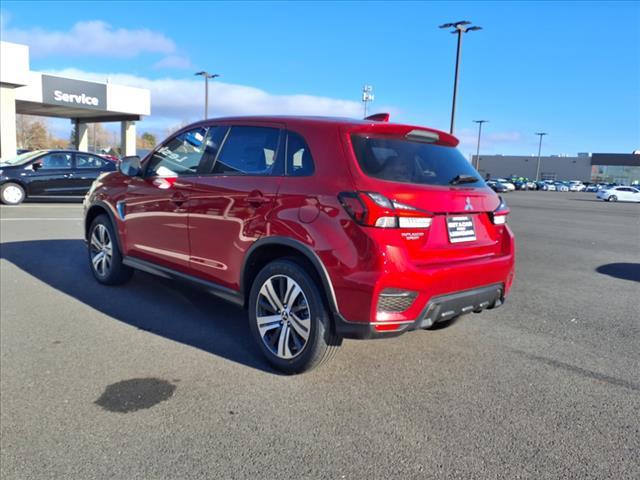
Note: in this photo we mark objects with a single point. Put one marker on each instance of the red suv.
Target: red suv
(322, 228)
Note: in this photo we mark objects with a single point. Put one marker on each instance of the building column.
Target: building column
(82, 136)
(127, 139)
(8, 140)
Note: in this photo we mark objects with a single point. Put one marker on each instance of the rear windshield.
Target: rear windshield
(400, 160)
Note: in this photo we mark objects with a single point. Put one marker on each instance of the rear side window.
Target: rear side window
(88, 161)
(249, 151)
(299, 160)
(401, 160)
(180, 155)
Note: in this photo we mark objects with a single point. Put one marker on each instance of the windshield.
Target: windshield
(22, 158)
(400, 160)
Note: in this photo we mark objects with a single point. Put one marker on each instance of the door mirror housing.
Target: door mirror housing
(36, 166)
(130, 166)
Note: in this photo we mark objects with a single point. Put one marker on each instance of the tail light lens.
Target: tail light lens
(499, 215)
(375, 210)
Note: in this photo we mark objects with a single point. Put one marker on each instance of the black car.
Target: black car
(49, 175)
(497, 186)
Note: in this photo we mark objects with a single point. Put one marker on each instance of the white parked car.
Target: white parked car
(506, 183)
(577, 186)
(549, 186)
(619, 194)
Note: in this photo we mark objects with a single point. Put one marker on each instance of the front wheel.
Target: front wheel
(105, 257)
(289, 319)
(11, 194)
(612, 198)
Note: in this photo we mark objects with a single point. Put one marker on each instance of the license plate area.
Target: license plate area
(461, 228)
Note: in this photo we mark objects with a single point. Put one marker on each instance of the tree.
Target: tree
(146, 140)
(32, 133)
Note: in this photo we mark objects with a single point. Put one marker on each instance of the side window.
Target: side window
(299, 160)
(55, 161)
(249, 151)
(214, 140)
(88, 161)
(178, 156)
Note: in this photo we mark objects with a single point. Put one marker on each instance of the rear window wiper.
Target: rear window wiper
(463, 179)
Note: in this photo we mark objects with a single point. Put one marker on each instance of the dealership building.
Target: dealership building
(621, 168)
(23, 91)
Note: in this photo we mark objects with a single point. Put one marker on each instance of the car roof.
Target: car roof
(292, 120)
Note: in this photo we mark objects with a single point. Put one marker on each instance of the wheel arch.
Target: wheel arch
(269, 249)
(96, 209)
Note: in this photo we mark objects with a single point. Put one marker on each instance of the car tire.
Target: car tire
(285, 306)
(612, 198)
(105, 258)
(11, 194)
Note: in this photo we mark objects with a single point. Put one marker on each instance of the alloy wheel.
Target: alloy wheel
(283, 316)
(101, 250)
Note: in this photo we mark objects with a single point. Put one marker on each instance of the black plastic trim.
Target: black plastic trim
(107, 208)
(307, 252)
(218, 290)
(492, 295)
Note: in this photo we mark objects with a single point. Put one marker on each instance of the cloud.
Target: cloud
(175, 101)
(490, 141)
(173, 61)
(93, 37)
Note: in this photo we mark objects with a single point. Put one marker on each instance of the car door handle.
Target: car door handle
(68, 175)
(178, 198)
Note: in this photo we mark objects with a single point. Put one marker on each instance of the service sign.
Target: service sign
(73, 93)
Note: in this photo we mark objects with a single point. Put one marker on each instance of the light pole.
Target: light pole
(459, 28)
(206, 76)
(541, 134)
(479, 122)
(367, 96)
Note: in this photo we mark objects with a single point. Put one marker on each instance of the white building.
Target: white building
(33, 93)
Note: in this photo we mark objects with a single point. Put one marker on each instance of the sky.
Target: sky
(571, 69)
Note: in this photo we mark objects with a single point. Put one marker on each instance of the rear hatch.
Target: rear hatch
(415, 172)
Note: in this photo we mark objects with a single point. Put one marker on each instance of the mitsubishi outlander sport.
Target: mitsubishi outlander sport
(322, 228)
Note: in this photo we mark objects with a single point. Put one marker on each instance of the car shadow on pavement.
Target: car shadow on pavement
(171, 309)
(625, 271)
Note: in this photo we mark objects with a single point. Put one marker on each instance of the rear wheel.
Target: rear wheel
(612, 198)
(105, 257)
(11, 194)
(289, 319)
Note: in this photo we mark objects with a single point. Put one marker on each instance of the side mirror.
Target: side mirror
(130, 166)
(36, 166)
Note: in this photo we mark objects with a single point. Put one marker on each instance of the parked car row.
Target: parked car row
(50, 175)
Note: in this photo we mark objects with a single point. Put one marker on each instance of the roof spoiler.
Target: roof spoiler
(379, 117)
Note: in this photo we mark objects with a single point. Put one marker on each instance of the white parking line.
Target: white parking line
(39, 219)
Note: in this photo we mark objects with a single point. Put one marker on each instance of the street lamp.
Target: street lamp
(206, 76)
(459, 28)
(367, 96)
(541, 134)
(479, 122)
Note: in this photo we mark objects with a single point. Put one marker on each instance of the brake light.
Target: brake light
(499, 215)
(375, 210)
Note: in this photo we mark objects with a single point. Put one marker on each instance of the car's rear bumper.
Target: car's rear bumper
(438, 309)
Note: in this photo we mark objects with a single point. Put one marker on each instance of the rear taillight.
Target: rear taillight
(499, 215)
(375, 210)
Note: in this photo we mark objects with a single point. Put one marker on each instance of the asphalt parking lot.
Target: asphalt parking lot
(154, 382)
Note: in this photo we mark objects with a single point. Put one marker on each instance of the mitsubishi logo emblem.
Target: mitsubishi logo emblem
(468, 205)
